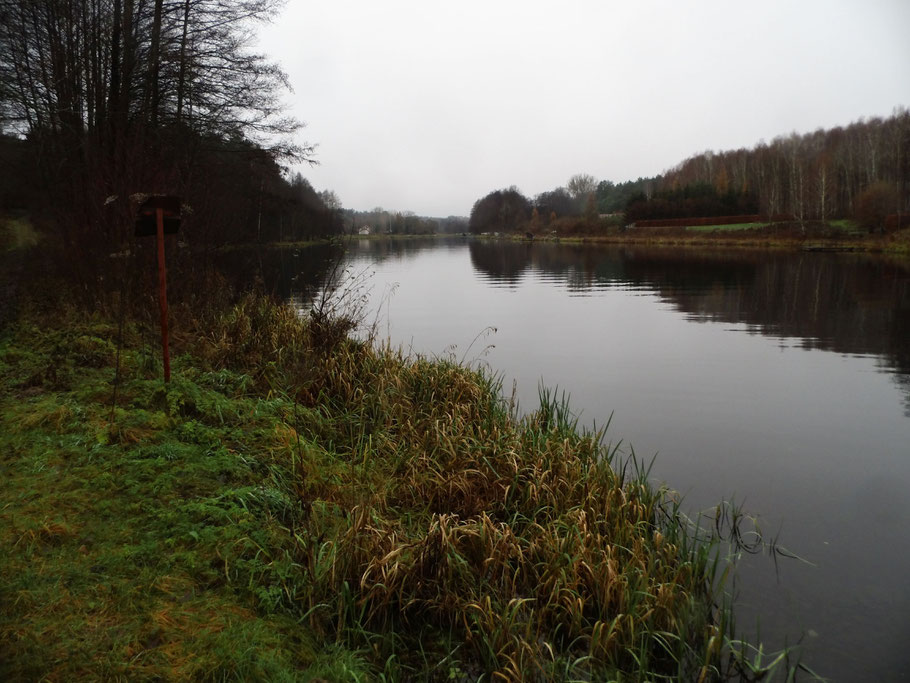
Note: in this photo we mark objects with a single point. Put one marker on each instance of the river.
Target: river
(780, 380)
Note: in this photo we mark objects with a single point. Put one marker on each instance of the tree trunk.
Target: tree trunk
(181, 77)
(152, 84)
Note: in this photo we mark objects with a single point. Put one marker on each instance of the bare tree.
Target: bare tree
(581, 185)
(121, 95)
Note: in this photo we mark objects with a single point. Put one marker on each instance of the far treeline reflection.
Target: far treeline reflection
(846, 303)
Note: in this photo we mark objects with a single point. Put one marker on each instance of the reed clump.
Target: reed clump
(312, 505)
(432, 515)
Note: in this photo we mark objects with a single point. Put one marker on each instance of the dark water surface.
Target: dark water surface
(779, 379)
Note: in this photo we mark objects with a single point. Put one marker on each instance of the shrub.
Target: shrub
(874, 203)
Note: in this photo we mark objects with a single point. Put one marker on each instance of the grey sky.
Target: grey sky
(427, 106)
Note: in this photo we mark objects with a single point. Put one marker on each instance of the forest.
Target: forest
(379, 221)
(861, 172)
(103, 99)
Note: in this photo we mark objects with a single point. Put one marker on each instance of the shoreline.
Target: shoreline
(897, 244)
(293, 497)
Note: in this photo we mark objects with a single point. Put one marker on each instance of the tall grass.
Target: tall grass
(412, 526)
(438, 523)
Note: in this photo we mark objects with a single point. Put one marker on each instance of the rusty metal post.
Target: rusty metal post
(162, 293)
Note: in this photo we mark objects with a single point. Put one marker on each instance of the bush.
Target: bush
(874, 203)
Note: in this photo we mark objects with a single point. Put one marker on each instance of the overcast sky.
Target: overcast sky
(427, 106)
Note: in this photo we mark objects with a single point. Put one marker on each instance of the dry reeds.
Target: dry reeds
(435, 521)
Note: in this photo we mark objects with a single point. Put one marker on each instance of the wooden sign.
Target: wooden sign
(146, 222)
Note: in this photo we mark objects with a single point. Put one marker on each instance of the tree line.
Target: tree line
(860, 171)
(690, 201)
(582, 201)
(821, 175)
(101, 99)
(380, 221)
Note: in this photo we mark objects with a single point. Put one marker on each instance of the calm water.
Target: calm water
(781, 380)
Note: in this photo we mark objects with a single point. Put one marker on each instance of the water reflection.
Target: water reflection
(847, 303)
(852, 304)
(289, 274)
(756, 374)
(382, 250)
(298, 274)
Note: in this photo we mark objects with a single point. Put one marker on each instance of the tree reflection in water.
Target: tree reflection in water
(855, 304)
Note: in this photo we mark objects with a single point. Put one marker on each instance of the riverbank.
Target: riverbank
(296, 505)
(832, 238)
(764, 237)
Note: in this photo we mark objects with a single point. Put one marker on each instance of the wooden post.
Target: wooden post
(162, 293)
(160, 214)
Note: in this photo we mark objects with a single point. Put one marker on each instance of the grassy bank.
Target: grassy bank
(842, 235)
(300, 506)
(726, 227)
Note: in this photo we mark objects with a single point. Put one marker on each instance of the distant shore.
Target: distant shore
(813, 239)
(892, 244)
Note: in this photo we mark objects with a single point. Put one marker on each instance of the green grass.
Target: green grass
(126, 546)
(727, 228)
(17, 233)
(294, 509)
(847, 225)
